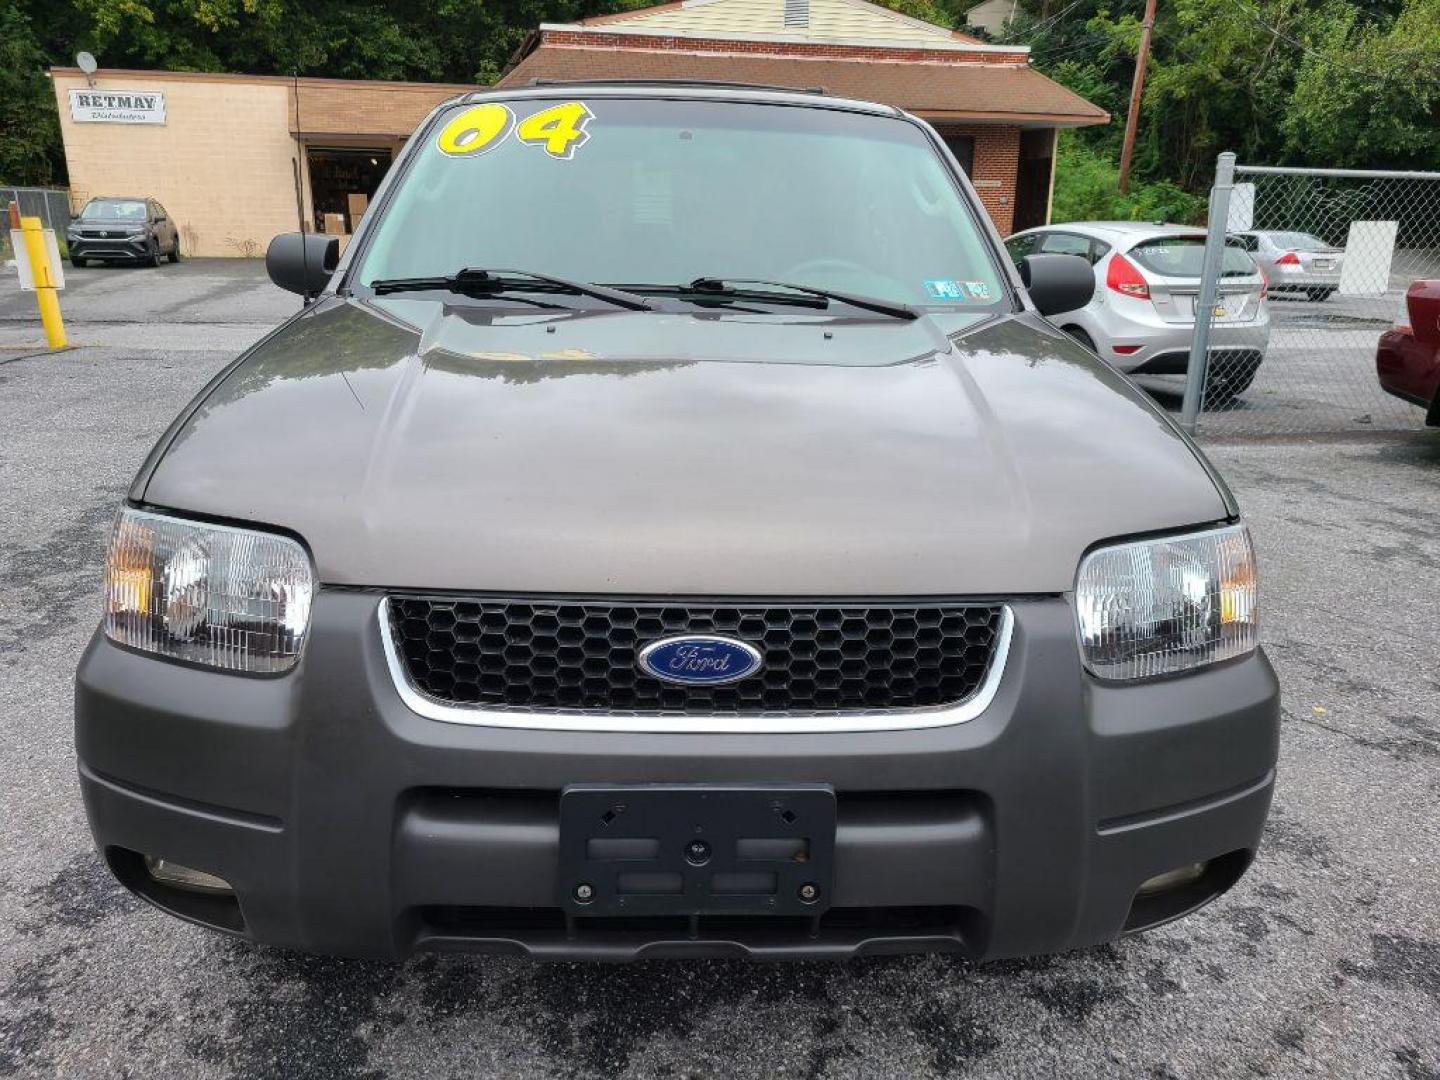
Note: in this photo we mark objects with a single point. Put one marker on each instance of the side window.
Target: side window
(1020, 246)
(1249, 241)
(1098, 250)
(1060, 243)
(159, 211)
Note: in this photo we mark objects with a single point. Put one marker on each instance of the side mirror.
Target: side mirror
(1058, 283)
(302, 262)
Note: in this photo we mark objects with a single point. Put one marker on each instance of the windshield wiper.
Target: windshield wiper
(474, 281)
(726, 287)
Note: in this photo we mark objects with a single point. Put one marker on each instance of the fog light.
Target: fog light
(185, 877)
(1170, 879)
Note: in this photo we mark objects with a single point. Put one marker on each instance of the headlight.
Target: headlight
(210, 594)
(1159, 606)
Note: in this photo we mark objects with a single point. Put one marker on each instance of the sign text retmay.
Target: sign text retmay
(117, 106)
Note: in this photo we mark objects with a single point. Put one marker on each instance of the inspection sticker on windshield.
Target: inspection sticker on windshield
(559, 130)
(963, 291)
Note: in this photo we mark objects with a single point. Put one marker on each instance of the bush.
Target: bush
(1087, 188)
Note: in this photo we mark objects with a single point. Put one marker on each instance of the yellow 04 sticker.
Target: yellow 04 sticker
(476, 130)
(559, 130)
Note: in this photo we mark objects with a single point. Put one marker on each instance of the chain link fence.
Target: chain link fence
(1339, 248)
(50, 205)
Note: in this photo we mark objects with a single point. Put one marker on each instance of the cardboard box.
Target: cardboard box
(356, 202)
(335, 224)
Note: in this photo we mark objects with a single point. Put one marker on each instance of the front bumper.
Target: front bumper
(84, 247)
(349, 824)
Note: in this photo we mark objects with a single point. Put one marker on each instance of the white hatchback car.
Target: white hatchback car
(1142, 317)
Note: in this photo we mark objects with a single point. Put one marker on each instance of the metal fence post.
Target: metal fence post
(1209, 285)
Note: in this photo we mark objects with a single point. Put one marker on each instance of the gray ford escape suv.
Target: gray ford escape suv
(672, 529)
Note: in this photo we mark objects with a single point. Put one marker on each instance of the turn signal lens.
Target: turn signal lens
(1123, 276)
(1157, 607)
(1288, 259)
(210, 594)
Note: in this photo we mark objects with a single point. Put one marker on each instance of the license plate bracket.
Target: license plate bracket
(688, 849)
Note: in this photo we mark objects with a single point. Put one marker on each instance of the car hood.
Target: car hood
(416, 444)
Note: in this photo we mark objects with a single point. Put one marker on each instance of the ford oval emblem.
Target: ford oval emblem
(699, 659)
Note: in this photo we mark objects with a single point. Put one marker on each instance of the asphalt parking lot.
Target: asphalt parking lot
(1324, 961)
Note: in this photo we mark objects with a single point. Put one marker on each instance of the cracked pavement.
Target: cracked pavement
(1324, 960)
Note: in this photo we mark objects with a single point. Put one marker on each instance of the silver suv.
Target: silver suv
(672, 529)
(1142, 315)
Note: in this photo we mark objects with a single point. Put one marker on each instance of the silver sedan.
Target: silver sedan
(1295, 262)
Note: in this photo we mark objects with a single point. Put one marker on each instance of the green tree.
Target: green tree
(29, 127)
(1087, 189)
(1370, 93)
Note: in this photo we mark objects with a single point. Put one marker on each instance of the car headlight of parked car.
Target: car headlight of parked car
(1155, 607)
(229, 598)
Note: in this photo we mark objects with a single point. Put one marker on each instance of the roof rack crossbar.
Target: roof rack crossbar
(681, 81)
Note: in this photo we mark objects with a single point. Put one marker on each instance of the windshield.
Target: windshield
(1297, 241)
(114, 210)
(649, 192)
(1183, 257)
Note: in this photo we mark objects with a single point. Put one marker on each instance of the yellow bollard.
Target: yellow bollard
(45, 293)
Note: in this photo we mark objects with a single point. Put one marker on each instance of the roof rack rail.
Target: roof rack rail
(542, 80)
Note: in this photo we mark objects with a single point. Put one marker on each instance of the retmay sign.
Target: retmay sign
(117, 106)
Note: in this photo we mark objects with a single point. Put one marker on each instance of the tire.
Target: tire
(1319, 295)
(1221, 392)
(1082, 337)
(174, 253)
(77, 263)
(156, 258)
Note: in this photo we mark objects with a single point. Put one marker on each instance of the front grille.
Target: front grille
(583, 656)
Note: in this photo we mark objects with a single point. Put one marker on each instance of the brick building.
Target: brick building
(996, 112)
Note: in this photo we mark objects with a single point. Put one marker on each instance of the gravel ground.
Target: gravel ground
(1324, 961)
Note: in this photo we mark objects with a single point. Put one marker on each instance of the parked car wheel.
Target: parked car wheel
(1221, 390)
(1082, 337)
(1319, 295)
(77, 263)
(157, 257)
(174, 255)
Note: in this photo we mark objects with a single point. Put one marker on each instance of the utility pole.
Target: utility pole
(1132, 121)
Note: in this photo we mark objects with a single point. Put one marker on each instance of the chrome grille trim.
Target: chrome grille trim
(780, 723)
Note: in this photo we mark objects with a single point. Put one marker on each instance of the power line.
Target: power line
(1073, 46)
(1034, 31)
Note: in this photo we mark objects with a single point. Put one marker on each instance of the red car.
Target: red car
(1408, 359)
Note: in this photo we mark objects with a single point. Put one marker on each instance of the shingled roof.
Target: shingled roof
(996, 92)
